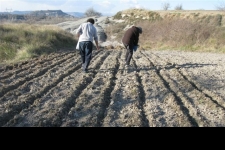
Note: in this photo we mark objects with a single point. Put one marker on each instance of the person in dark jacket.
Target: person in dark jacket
(130, 40)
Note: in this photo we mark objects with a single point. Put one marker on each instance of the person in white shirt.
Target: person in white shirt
(87, 33)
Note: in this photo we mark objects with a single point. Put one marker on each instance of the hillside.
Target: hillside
(76, 14)
(41, 16)
(201, 16)
(53, 13)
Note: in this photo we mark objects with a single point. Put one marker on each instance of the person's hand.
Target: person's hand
(97, 48)
(96, 44)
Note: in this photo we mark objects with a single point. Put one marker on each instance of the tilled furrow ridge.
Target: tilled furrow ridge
(38, 83)
(158, 89)
(14, 107)
(50, 108)
(31, 64)
(160, 105)
(18, 81)
(210, 113)
(6, 68)
(205, 70)
(211, 95)
(142, 94)
(214, 97)
(187, 107)
(91, 105)
(125, 107)
(32, 68)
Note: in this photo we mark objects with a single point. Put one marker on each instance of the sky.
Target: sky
(105, 6)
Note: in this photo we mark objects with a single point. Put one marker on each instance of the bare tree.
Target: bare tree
(166, 6)
(221, 6)
(91, 12)
(179, 7)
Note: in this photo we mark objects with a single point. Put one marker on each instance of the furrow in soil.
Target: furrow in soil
(125, 109)
(50, 106)
(95, 98)
(160, 106)
(158, 89)
(18, 79)
(211, 113)
(204, 70)
(31, 64)
(35, 84)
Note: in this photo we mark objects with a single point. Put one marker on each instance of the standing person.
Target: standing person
(130, 40)
(87, 33)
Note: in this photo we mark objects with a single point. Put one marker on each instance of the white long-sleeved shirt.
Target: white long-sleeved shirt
(87, 32)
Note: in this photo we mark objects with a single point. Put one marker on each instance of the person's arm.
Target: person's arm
(96, 38)
(96, 43)
(136, 35)
(136, 38)
(79, 31)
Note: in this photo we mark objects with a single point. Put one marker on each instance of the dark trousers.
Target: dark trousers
(129, 54)
(85, 48)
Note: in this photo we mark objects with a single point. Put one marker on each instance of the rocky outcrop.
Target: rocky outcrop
(100, 24)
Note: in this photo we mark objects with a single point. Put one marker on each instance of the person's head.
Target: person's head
(140, 30)
(91, 20)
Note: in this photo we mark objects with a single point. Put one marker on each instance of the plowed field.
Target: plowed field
(159, 89)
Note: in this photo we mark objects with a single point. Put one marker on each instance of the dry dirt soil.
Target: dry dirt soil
(159, 89)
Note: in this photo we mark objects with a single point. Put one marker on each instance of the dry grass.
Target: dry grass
(181, 34)
(180, 30)
(115, 31)
(20, 41)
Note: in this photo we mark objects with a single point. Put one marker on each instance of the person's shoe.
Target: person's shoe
(82, 66)
(85, 71)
